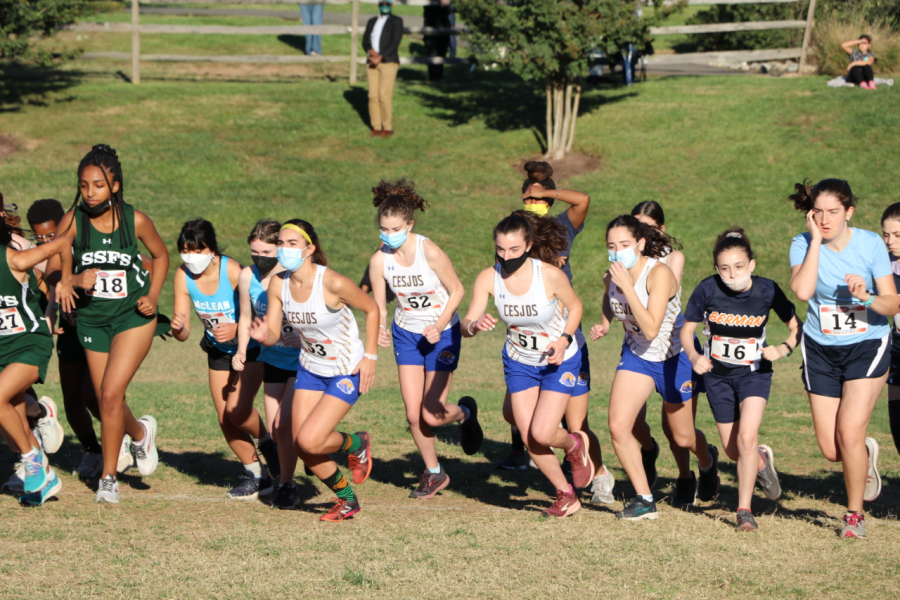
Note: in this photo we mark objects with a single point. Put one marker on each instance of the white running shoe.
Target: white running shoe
(126, 460)
(91, 466)
(108, 491)
(51, 430)
(16, 483)
(873, 478)
(602, 488)
(145, 454)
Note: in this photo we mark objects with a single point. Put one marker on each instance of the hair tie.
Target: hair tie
(295, 228)
(107, 149)
(733, 234)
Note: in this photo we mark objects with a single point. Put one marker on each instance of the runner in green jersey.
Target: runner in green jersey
(25, 349)
(116, 304)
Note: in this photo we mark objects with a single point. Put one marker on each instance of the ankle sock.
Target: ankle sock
(435, 471)
(709, 466)
(31, 455)
(338, 484)
(646, 498)
(466, 414)
(255, 468)
(351, 442)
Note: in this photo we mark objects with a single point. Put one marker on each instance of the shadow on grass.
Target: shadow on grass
(208, 468)
(31, 85)
(358, 99)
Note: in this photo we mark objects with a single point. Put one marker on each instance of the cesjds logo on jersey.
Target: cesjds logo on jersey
(687, 387)
(346, 386)
(447, 357)
(568, 379)
(583, 379)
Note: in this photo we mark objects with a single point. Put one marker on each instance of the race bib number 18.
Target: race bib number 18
(11, 321)
(111, 285)
(843, 319)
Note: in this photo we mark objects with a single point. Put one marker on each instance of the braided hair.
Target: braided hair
(105, 158)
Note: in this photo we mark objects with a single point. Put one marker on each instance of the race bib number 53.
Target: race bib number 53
(320, 348)
(111, 285)
(843, 319)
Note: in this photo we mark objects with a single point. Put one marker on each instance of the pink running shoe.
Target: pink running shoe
(580, 461)
(566, 504)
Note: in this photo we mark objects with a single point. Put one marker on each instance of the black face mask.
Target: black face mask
(264, 263)
(96, 211)
(512, 265)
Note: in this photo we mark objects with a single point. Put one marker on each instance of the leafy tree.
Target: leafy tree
(20, 20)
(551, 41)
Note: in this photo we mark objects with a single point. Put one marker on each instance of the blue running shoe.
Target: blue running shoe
(48, 491)
(35, 472)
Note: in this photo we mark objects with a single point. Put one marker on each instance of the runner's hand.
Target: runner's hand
(259, 329)
(701, 364)
(556, 351)
(65, 296)
(773, 353)
(86, 279)
(291, 337)
(147, 306)
(598, 331)
(178, 321)
(432, 334)
(237, 362)
(366, 370)
(619, 275)
(384, 337)
(485, 323)
(814, 230)
(857, 286)
(225, 332)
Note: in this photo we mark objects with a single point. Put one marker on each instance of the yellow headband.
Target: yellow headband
(295, 228)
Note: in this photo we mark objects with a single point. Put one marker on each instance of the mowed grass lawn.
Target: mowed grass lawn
(715, 151)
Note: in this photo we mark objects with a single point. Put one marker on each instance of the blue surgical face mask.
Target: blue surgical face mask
(394, 240)
(628, 257)
(291, 258)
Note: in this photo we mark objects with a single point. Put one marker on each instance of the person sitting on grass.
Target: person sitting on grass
(859, 71)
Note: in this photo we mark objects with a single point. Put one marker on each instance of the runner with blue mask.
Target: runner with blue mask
(646, 301)
(890, 231)
(335, 366)
(425, 332)
(208, 283)
(279, 361)
(845, 274)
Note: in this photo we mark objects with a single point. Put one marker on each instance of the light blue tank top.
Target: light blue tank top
(221, 307)
(279, 355)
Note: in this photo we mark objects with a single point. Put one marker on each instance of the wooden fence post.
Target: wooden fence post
(806, 35)
(354, 42)
(135, 43)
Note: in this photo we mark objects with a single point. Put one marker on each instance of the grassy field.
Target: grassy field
(714, 151)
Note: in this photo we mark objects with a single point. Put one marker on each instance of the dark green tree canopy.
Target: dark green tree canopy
(20, 20)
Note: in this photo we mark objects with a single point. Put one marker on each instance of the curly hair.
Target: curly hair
(539, 172)
(731, 238)
(657, 244)
(546, 236)
(805, 194)
(43, 211)
(397, 199)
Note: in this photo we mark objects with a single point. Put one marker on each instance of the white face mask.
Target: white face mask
(196, 263)
(737, 285)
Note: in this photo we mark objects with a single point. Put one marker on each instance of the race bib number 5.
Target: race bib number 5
(843, 319)
(10, 321)
(111, 285)
(417, 301)
(734, 351)
(527, 339)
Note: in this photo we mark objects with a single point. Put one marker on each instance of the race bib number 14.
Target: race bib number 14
(843, 319)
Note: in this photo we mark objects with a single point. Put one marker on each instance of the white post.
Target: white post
(354, 42)
(806, 35)
(135, 43)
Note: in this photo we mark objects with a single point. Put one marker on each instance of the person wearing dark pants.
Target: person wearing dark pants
(381, 41)
(437, 16)
(312, 14)
(859, 71)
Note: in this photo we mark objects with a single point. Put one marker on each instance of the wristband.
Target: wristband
(568, 338)
(370, 356)
(869, 302)
(788, 346)
(469, 328)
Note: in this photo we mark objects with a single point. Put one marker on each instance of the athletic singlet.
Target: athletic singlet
(532, 321)
(421, 297)
(667, 343)
(121, 279)
(223, 307)
(20, 312)
(331, 344)
(895, 268)
(279, 355)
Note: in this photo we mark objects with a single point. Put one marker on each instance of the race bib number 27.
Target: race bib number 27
(11, 321)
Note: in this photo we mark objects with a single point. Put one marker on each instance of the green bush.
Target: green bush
(835, 28)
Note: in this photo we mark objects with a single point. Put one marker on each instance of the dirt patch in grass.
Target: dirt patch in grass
(574, 164)
(9, 145)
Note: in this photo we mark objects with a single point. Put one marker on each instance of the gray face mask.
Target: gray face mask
(96, 211)
(737, 285)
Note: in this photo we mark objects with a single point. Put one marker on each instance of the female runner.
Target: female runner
(890, 230)
(117, 307)
(737, 364)
(651, 213)
(540, 361)
(26, 345)
(208, 281)
(643, 294)
(279, 361)
(846, 341)
(335, 367)
(425, 332)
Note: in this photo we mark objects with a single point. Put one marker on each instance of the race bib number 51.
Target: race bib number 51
(111, 285)
(843, 319)
(526, 339)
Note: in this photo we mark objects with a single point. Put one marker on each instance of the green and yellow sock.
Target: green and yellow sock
(351, 442)
(339, 485)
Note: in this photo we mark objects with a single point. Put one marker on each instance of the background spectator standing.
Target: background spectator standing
(381, 41)
(312, 14)
(861, 60)
(438, 17)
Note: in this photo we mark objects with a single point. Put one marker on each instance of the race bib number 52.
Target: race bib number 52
(843, 319)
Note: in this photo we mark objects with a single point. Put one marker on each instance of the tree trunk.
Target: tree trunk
(563, 99)
(575, 102)
(549, 137)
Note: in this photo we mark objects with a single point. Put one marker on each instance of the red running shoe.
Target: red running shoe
(340, 511)
(566, 504)
(360, 462)
(580, 461)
